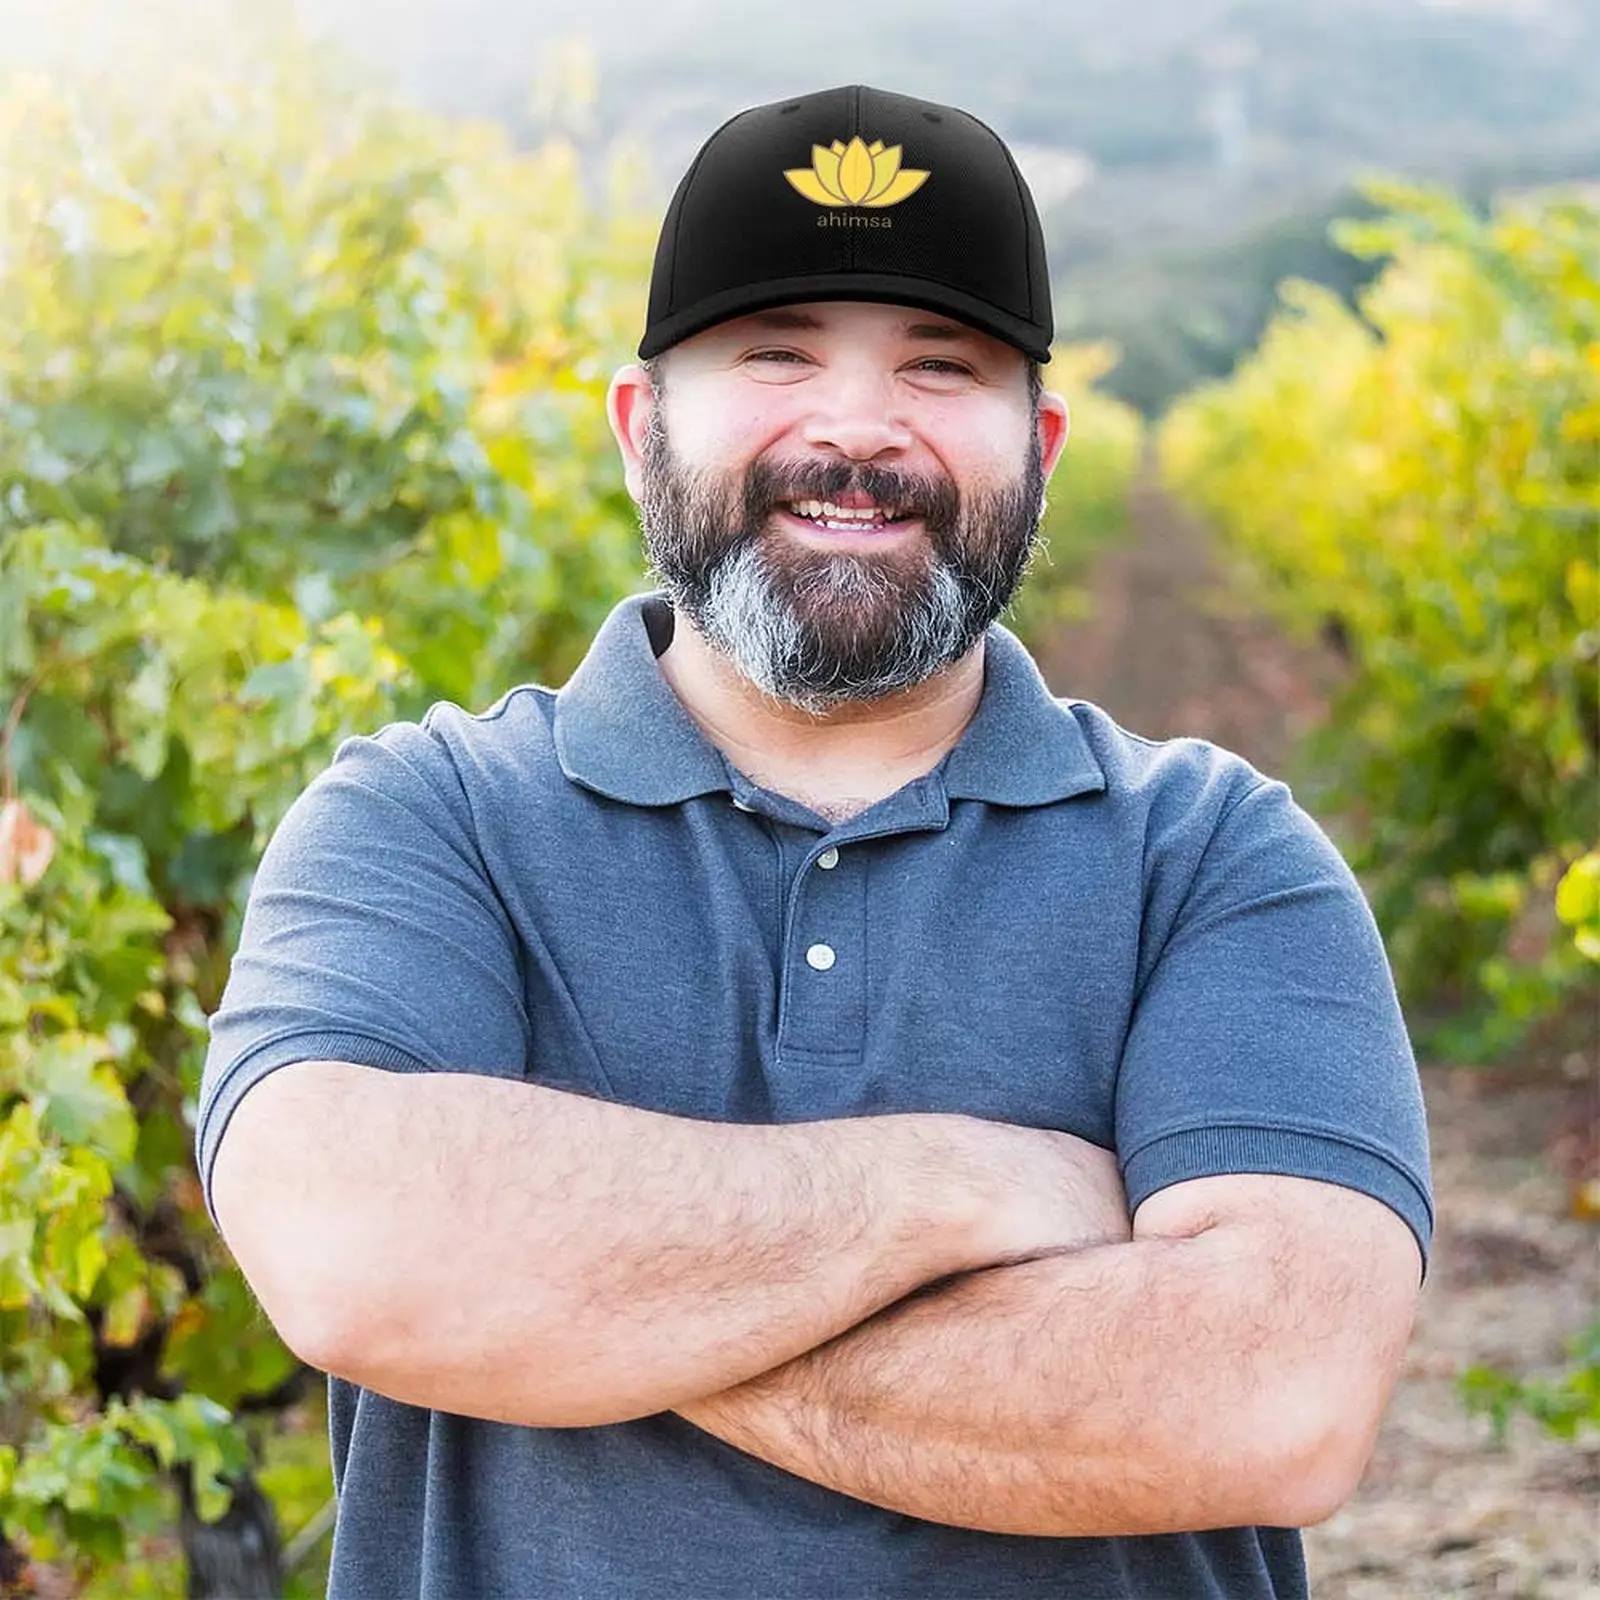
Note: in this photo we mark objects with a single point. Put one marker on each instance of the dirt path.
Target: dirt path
(1442, 1513)
(1167, 647)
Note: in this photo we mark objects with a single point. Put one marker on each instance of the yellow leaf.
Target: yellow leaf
(1578, 893)
(1581, 425)
(88, 1262)
(126, 1316)
(825, 163)
(855, 172)
(1583, 591)
(905, 183)
(885, 164)
(810, 185)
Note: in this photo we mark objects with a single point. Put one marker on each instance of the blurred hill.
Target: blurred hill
(1186, 153)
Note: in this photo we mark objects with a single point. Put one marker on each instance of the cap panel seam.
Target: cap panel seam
(685, 189)
(850, 236)
(1027, 230)
(1022, 205)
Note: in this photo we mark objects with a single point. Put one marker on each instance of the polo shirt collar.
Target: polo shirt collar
(619, 728)
(1022, 747)
(622, 732)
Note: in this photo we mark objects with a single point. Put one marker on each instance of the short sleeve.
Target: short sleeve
(1268, 1037)
(372, 934)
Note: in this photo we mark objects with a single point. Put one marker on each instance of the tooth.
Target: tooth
(844, 517)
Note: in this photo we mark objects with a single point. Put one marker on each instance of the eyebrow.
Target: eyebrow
(946, 332)
(803, 321)
(786, 319)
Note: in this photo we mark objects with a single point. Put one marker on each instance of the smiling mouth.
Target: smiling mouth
(832, 518)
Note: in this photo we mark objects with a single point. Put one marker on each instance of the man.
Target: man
(695, 1116)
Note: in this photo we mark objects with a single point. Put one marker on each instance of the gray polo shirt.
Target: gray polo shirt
(1063, 925)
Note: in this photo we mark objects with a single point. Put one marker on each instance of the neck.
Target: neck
(843, 760)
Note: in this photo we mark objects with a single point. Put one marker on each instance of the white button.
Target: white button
(820, 956)
(829, 859)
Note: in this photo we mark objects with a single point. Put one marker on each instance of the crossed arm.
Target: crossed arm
(1228, 1366)
(940, 1315)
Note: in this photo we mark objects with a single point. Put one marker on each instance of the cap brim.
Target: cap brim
(878, 287)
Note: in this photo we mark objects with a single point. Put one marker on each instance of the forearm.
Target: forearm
(1111, 1392)
(505, 1250)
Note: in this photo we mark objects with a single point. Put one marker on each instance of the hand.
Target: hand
(1041, 1193)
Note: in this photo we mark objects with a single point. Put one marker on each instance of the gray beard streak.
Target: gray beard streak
(764, 637)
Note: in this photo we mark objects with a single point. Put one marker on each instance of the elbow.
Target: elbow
(318, 1323)
(1318, 1457)
(341, 1298)
(1312, 1493)
(298, 1275)
(288, 1231)
(350, 1324)
(302, 1292)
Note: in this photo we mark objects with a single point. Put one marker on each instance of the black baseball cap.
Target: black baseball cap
(852, 194)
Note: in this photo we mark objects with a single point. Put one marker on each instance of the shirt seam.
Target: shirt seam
(1296, 1128)
(320, 1030)
(1204, 1124)
(1194, 878)
(492, 713)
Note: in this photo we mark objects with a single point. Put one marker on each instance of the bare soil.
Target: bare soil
(1169, 648)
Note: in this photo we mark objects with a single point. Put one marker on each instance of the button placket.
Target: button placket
(824, 1007)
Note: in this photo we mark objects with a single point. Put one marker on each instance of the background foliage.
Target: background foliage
(302, 431)
(1420, 480)
(302, 398)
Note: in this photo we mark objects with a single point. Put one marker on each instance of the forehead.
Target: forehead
(853, 319)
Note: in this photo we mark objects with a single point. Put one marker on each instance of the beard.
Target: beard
(816, 629)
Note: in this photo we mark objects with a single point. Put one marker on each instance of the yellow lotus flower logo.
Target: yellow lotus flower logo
(856, 174)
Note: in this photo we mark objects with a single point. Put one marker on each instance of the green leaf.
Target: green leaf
(156, 459)
(222, 1346)
(79, 1099)
(18, 1281)
(209, 512)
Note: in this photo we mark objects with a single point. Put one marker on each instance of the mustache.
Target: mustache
(768, 483)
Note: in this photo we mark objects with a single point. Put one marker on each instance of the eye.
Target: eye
(942, 366)
(785, 356)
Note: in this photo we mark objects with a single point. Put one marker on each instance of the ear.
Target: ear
(1055, 423)
(630, 402)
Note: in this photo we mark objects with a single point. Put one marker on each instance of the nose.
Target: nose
(856, 412)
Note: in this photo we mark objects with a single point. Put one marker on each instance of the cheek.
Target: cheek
(736, 429)
(980, 449)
